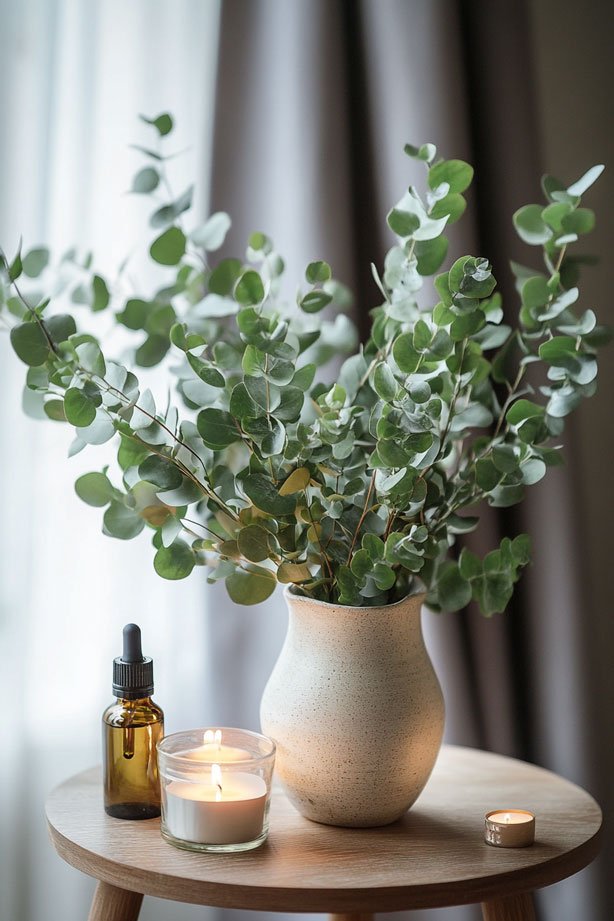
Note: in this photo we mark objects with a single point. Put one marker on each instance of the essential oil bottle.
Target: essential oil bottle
(131, 729)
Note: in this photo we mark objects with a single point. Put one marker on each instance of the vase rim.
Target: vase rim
(291, 595)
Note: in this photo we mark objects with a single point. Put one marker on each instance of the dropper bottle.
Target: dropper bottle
(131, 729)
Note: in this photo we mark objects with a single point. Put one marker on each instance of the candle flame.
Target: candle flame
(216, 780)
(213, 738)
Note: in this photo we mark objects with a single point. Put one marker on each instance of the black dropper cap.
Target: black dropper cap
(132, 672)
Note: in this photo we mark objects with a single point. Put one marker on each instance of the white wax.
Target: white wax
(510, 818)
(193, 813)
(216, 753)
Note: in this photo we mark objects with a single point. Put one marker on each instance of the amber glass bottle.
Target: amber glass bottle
(132, 727)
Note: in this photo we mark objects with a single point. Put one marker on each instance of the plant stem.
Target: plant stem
(365, 510)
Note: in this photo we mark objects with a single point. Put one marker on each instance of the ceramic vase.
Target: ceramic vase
(356, 711)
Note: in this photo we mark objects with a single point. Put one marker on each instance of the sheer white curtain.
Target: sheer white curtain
(73, 77)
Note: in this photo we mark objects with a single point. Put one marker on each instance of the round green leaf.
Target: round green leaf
(535, 292)
(61, 327)
(176, 561)
(249, 289)
(521, 410)
(30, 344)
(557, 349)
(403, 223)
(454, 591)
(35, 261)
(253, 542)
(405, 354)
(217, 428)
(169, 247)
(582, 220)
(100, 294)
(95, 489)
(224, 276)
(293, 573)
(160, 472)
(265, 496)
(145, 181)
(531, 226)
(317, 272)
(430, 254)
(152, 351)
(384, 382)
(122, 522)
(134, 314)
(453, 206)
(251, 587)
(79, 408)
(54, 409)
(456, 173)
(162, 123)
(314, 301)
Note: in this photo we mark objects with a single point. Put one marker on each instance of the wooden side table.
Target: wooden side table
(435, 856)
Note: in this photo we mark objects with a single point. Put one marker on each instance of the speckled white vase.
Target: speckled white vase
(355, 709)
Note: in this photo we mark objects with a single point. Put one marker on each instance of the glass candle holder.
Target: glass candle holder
(216, 789)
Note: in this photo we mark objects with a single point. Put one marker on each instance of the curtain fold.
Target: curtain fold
(463, 75)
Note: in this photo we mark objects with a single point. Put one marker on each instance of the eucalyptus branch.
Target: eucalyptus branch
(425, 458)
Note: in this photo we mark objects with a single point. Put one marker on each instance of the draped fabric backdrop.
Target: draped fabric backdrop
(313, 102)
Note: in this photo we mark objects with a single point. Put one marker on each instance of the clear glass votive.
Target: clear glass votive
(216, 789)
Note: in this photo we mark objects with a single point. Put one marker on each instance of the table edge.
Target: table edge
(299, 900)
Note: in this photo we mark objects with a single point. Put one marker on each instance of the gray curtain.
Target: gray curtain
(315, 100)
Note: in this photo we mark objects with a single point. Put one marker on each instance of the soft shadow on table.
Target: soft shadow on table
(411, 834)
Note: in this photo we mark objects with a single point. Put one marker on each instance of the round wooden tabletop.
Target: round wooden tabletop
(434, 856)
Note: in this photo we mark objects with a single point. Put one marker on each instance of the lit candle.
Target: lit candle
(509, 828)
(212, 750)
(229, 809)
(215, 796)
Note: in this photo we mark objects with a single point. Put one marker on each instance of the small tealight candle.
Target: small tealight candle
(215, 796)
(509, 828)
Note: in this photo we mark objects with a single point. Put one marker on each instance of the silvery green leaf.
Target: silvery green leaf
(401, 273)
(214, 305)
(211, 235)
(584, 325)
(474, 416)
(185, 494)
(532, 471)
(566, 239)
(559, 304)
(143, 411)
(580, 186)
(530, 225)
(199, 393)
(99, 431)
(171, 528)
(91, 358)
(428, 228)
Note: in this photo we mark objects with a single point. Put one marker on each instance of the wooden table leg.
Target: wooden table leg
(113, 904)
(510, 908)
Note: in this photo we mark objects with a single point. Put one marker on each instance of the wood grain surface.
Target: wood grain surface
(511, 908)
(434, 856)
(112, 904)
